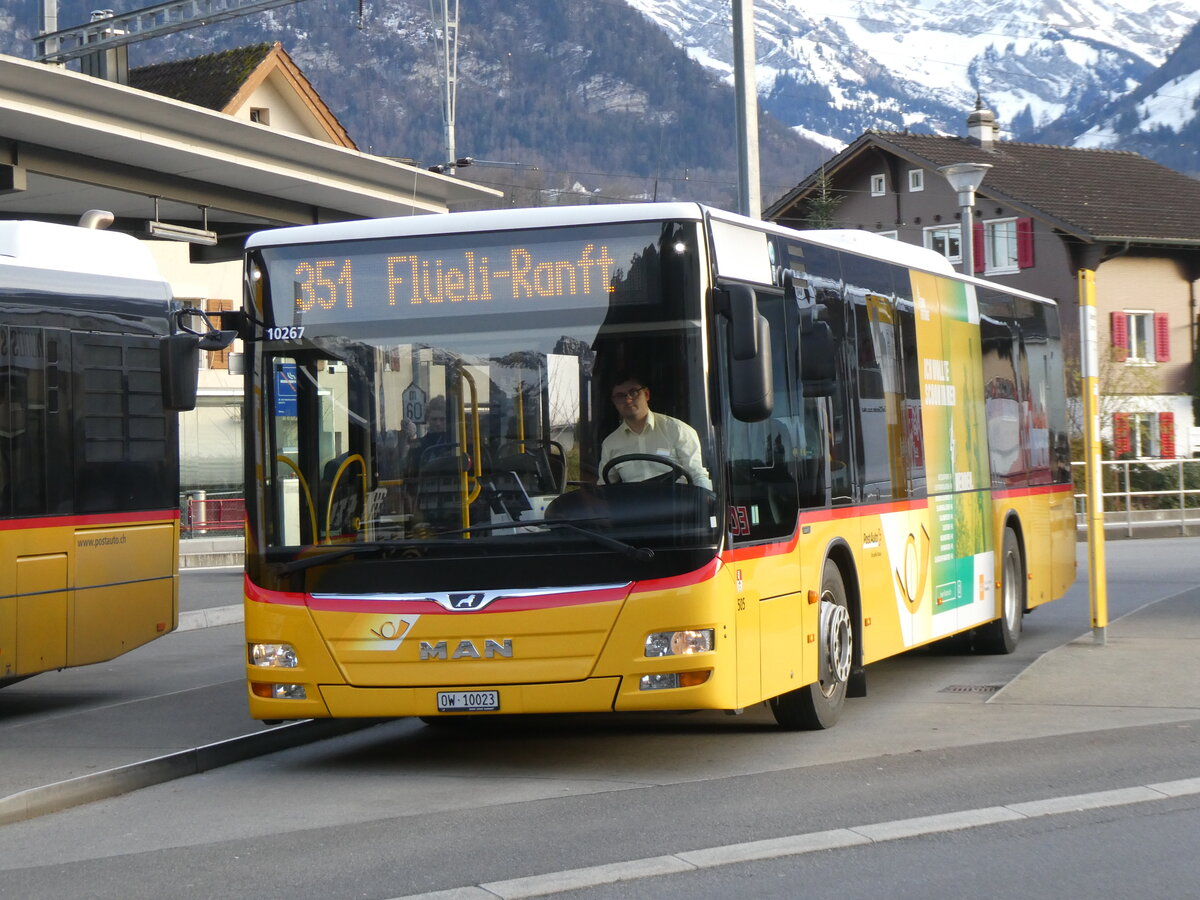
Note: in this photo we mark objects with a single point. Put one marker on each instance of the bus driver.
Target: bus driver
(646, 432)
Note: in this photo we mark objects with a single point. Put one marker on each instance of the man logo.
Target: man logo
(492, 649)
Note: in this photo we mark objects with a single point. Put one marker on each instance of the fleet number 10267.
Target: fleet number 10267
(285, 333)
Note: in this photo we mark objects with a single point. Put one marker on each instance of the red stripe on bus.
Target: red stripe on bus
(839, 513)
(761, 551)
(810, 517)
(673, 582)
(514, 602)
(261, 595)
(121, 518)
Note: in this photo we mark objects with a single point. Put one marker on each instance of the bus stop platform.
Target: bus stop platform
(203, 551)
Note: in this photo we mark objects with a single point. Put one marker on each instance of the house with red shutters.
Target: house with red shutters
(1041, 214)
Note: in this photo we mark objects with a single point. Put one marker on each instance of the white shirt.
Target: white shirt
(663, 436)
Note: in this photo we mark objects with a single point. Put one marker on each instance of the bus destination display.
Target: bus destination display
(364, 281)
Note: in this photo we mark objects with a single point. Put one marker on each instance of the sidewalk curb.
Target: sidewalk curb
(40, 801)
(234, 614)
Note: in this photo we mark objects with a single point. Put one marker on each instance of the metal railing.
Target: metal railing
(204, 515)
(1143, 494)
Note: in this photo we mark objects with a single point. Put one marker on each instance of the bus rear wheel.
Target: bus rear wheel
(1001, 636)
(819, 705)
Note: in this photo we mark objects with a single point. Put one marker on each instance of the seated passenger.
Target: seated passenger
(646, 432)
(436, 435)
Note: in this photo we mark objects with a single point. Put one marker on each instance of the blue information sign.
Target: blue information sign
(285, 389)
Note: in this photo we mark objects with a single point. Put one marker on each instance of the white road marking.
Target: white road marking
(798, 844)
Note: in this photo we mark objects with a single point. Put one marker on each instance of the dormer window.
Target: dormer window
(260, 114)
(878, 185)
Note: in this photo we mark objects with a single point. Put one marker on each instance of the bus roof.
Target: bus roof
(69, 248)
(862, 243)
(486, 220)
(46, 258)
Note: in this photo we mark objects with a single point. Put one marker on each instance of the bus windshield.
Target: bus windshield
(434, 398)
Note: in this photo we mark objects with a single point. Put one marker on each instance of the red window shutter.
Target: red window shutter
(1162, 338)
(1122, 446)
(1166, 435)
(1120, 336)
(980, 251)
(1025, 243)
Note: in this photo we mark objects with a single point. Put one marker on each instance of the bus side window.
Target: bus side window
(764, 456)
(841, 420)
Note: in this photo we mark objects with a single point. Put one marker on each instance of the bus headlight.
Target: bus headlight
(679, 643)
(273, 656)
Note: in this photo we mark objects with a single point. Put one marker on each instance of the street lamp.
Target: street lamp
(966, 178)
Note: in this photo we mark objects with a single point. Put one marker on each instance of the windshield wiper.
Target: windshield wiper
(307, 562)
(642, 554)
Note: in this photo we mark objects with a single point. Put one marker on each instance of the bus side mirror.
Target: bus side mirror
(752, 394)
(179, 359)
(179, 355)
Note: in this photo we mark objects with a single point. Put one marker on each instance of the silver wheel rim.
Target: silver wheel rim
(837, 645)
(1012, 594)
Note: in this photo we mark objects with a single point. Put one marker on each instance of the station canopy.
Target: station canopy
(71, 142)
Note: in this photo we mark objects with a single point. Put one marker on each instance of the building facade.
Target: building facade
(211, 150)
(1040, 215)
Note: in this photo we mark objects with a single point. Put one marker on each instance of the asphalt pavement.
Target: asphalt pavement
(57, 751)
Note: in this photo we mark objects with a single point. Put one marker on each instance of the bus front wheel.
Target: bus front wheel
(819, 705)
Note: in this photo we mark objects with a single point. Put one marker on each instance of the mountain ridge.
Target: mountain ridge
(621, 99)
(1048, 69)
(585, 102)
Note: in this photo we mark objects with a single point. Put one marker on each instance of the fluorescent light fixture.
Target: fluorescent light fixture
(169, 232)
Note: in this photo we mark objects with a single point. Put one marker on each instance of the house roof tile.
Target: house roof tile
(210, 81)
(1099, 194)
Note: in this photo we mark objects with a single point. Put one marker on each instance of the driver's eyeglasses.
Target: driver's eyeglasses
(620, 396)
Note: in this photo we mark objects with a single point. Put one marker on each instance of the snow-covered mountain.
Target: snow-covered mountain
(1161, 118)
(833, 70)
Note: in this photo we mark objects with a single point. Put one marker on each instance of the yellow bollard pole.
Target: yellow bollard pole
(1089, 353)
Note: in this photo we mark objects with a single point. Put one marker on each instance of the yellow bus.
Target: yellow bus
(883, 463)
(89, 483)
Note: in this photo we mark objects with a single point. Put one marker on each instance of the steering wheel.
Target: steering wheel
(675, 468)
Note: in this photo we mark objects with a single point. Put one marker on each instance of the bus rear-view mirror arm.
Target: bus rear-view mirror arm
(179, 358)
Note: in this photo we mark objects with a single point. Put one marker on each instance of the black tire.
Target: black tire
(819, 705)
(1003, 635)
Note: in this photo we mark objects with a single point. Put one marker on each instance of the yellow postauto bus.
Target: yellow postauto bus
(89, 521)
(432, 531)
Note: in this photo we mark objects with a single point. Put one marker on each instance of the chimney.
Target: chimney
(111, 64)
(982, 128)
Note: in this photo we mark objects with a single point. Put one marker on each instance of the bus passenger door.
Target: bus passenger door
(764, 460)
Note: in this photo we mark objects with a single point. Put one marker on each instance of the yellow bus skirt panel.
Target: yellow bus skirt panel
(79, 590)
(133, 569)
(273, 618)
(404, 647)
(697, 601)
